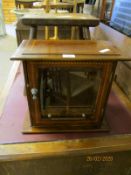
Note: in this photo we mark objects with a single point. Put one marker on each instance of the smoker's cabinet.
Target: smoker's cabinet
(67, 93)
(67, 82)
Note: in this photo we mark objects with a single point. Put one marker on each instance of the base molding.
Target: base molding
(28, 129)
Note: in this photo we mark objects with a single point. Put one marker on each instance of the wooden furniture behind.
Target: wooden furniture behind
(103, 9)
(72, 6)
(82, 21)
(23, 32)
(67, 82)
(24, 3)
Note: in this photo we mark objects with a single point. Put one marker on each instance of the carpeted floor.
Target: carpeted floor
(12, 119)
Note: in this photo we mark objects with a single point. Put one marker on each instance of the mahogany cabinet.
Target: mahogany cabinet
(67, 82)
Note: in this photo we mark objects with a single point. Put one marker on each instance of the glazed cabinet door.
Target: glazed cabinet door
(68, 94)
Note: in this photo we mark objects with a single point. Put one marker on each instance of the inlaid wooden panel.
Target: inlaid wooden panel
(74, 50)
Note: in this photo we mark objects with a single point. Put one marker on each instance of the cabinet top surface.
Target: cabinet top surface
(67, 50)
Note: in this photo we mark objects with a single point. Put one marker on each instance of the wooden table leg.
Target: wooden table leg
(84, 33)
(81, 33)
(87, 33)
(33, 32)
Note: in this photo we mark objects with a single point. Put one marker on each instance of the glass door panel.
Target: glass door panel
(69, 93)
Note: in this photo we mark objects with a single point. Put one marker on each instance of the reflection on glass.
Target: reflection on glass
(69, 93)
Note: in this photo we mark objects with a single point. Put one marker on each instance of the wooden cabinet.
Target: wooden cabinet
(67, 82)
(68, 94)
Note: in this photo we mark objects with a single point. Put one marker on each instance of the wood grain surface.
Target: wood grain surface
(54, 50)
